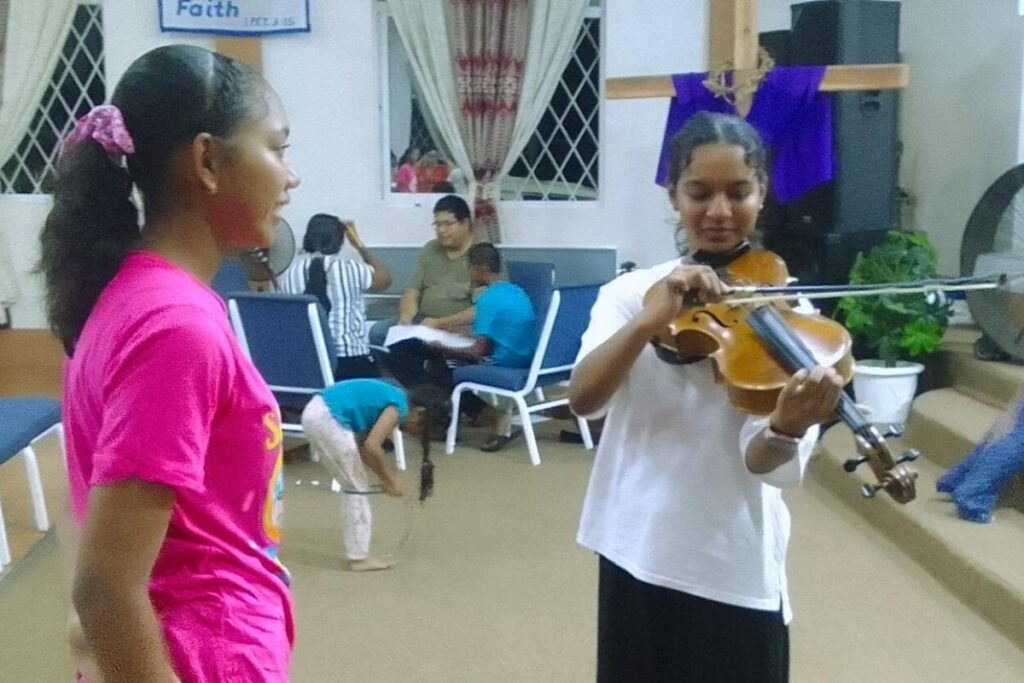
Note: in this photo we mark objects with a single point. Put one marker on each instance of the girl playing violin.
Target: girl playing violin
(684, 504)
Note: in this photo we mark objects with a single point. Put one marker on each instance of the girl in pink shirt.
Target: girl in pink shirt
(173, 438)
(405, 178)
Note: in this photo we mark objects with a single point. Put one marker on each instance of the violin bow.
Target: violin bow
(766, 294)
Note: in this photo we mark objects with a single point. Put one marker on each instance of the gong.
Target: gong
(993, 242)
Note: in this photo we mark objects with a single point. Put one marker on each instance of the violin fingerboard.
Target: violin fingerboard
(789, 349)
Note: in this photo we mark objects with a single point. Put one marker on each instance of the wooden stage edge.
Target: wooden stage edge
(30, 363)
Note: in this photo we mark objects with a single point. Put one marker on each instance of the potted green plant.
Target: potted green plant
(893, 333)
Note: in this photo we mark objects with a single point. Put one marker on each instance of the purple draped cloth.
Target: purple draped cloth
(793, 117)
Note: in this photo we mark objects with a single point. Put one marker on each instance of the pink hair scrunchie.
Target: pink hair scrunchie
(105, 125)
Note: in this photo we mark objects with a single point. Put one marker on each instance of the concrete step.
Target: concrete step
(945, 425)
(997, 384)
(979, 563)
(955, 366)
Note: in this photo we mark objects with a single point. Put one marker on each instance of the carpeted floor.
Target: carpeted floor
(490, 586)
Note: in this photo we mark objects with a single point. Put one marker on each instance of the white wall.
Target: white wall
(21, 220)
(774, 15)
(961, 117)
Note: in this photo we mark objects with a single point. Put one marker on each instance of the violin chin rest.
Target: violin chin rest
(672, 357)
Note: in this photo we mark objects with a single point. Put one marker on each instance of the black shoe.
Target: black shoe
(565, 436)
(497, 442)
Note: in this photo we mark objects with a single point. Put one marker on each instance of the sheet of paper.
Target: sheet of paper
(399, 333)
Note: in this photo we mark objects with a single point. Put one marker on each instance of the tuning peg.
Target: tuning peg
(853, 463)
(869, 490)
(895, 430)
(909, 455)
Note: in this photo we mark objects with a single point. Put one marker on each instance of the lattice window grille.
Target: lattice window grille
(419, 132)
(76, 86)
(560, 162)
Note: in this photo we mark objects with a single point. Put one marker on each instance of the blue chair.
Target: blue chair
(230, 277)
(563, 322)
(23, 421)
(286, 338)
(536, 279)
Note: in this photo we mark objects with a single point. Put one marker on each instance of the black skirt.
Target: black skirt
(654, 634)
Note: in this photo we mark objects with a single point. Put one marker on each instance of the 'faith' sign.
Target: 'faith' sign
(235, 17)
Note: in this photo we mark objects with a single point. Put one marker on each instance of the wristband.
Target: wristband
(773, 435)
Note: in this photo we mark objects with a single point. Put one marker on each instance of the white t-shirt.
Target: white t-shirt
(347, 279)
(670, 499)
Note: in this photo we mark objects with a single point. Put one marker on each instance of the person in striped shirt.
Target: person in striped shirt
(339, 284)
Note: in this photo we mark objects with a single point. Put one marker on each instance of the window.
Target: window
(560, 160)
(76, 86)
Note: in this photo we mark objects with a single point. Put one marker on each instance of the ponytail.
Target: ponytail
(316, 282)
(437, 408)
(90, 229)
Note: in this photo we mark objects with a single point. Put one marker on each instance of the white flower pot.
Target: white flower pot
(888, 392)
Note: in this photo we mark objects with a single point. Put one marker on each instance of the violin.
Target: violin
(753, 377)
(755, 347)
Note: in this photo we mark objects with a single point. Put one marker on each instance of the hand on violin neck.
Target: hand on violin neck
(685, 285)
(809, 398)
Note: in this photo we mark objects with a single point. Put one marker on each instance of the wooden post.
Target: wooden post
(732, 33)
(732, 39)
(246, 50)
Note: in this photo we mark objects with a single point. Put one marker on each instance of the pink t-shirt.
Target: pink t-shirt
(405, 180)
(159, 390)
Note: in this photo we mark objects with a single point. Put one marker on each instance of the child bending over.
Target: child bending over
(347, 425)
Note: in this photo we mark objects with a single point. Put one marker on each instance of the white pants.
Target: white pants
(339, 453)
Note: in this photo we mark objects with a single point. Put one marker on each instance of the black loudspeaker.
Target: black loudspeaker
(777, 43)
(821, 232)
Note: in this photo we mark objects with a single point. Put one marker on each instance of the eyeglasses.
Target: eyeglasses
(443, 224)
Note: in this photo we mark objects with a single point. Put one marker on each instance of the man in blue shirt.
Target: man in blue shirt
(504, 323)
(504, 332)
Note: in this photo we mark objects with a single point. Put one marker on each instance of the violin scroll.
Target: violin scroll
(893, 475)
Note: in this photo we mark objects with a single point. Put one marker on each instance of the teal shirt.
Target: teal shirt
(357, 403)
(505, 315)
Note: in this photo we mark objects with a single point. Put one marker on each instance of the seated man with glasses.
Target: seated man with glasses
(503, 333)
(440, 291)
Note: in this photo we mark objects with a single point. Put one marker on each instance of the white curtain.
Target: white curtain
(36, 30)
(421, 25)
(35, 36)
(8, 284)
(554, 26)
